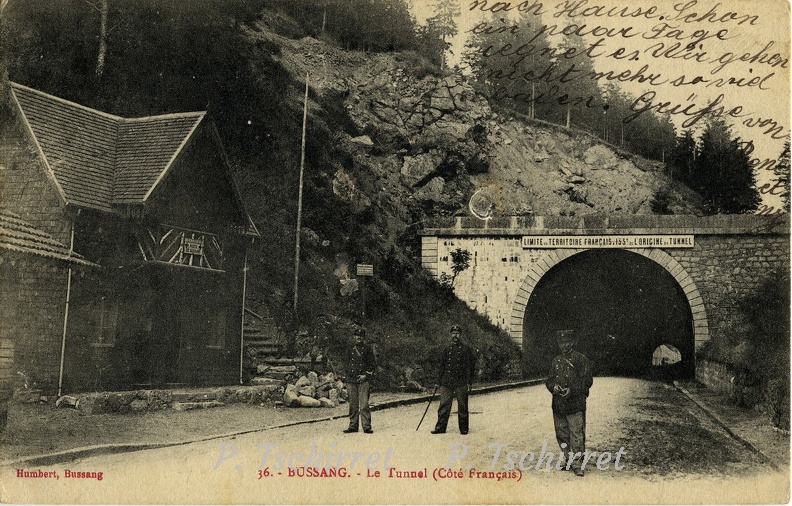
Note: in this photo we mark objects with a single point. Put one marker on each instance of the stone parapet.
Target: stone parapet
(728, 224)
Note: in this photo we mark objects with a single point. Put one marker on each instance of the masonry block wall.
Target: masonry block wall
(497, 268)
(33, 282)
(25, 187)
(729, 260)
(729, 267)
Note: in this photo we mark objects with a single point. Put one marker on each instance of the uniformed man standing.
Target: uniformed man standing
(360, 370)
(457, 369)
(569, 380)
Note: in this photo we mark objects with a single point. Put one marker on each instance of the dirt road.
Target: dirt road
(668, 450)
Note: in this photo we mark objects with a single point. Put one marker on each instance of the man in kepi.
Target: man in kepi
(457, 368)
(569, 381)
(360, 370)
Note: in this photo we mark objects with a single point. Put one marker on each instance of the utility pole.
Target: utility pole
(299, 200)
(533, 100)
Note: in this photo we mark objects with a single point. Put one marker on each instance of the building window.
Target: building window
(218, 329)
(105, 317)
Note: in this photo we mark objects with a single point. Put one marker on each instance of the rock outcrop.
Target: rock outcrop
(432, 140)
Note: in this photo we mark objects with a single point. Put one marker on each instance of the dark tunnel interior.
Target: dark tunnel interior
(621, 307)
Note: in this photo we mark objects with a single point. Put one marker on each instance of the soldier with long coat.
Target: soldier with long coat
(569, 380)
(457, 370)
(360, 370)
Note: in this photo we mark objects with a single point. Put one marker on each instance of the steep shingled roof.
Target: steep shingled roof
(99, 159)
(18, 235)
(145, 148)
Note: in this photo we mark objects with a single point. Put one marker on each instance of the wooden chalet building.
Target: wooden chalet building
(150, 290)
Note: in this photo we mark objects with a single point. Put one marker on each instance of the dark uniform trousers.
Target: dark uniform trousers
(569, 413)
(447, 395)
(457, 367)
(359, 405)
(361, 362)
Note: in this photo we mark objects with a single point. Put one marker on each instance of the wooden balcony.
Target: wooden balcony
(181, 247)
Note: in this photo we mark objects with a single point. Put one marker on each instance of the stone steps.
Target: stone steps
(262, 338)
(267, 381)
(258, 346)
(283, 361)
(278, 372)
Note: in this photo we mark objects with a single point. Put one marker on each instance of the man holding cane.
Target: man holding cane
(456, 371)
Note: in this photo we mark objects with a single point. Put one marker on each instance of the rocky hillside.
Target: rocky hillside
(394, 142)
(431, 139)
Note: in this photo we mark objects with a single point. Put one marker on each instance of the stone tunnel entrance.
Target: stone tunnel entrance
(621, 305)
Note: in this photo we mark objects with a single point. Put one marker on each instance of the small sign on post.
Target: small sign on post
(365, 270)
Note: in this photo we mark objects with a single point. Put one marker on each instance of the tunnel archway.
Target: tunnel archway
(621, 305)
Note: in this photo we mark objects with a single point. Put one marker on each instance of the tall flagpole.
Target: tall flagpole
(299, 199)
(242, 326)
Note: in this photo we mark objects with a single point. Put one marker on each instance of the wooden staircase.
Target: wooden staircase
(262, 338)
(265, 346)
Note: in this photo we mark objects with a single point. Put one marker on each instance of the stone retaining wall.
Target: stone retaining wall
(714, 375)
(153, 400)
(771, 398)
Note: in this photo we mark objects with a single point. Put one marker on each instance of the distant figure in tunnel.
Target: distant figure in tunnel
(569, 381)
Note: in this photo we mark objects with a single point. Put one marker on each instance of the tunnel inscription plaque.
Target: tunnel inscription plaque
(607, 241)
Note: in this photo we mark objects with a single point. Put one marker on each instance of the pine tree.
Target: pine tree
(52, 46)
(515, 82)
(480, 66)
(4, 89)
(723, 175)
(665, 136)
(443, 24)
(651, 136)
(580, 99)
(782, 172)
(535, 64)
(502, 79)
(618, 107)
(683, 158)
